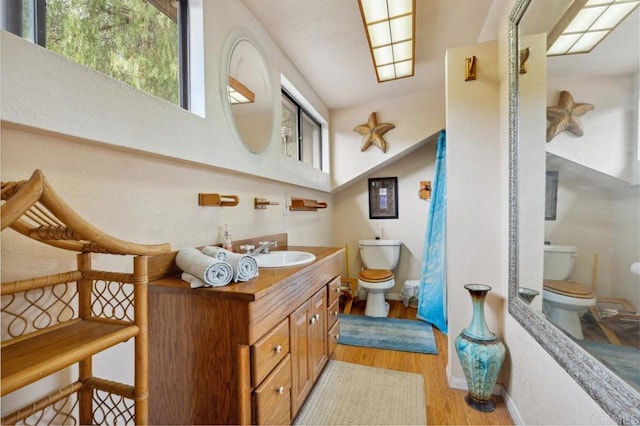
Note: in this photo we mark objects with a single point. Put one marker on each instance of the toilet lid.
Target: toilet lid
(568, 288)
(375, 275)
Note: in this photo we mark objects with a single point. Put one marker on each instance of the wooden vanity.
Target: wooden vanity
(243, 353)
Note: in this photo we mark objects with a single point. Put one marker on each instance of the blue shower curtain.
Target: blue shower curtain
(433, 284)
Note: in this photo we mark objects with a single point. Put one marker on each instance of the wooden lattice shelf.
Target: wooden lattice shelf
(30, 359)
(55, 321)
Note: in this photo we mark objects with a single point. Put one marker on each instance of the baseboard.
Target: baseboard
(457, 382)
(392, 296)
(498, 389)
(461, 383)
(511, 408)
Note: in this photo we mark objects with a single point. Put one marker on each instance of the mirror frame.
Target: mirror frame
(619, 400)
(233, 39)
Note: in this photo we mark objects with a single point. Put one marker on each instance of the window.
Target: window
(301, 133)
(143, 43)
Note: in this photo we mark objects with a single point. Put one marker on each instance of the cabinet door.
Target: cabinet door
(318, 334)
(301, 380)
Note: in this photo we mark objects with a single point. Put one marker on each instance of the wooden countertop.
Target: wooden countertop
(268, 280)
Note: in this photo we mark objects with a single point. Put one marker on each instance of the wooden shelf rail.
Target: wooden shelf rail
(301, 204)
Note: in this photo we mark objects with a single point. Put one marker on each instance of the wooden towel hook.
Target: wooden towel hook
(262, 203)
(470, 69)
(217, 200)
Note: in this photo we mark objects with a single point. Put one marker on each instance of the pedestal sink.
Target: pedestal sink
(284, 258)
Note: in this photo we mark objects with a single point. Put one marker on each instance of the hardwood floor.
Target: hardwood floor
(445, 406)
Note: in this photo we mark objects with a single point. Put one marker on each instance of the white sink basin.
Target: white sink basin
(284, 258)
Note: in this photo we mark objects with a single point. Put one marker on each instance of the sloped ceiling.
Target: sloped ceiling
(325, 39)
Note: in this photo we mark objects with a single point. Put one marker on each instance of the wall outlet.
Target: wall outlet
(286, 206)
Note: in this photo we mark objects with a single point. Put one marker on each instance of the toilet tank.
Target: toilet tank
(558, 262)
(379, 254)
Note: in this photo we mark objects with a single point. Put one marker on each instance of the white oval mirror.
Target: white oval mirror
(247, 94)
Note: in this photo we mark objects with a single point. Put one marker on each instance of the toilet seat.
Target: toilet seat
(375, 275)
(563, 302)
(568, 288)
(376, 282)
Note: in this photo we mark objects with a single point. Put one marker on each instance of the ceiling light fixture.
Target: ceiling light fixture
(391, 28)
(586, 23)
(239, 93)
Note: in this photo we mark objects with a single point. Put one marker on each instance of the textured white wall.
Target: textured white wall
(610, 141)
(415, 118)
(539, 391)
(46, 91)
(474, 215)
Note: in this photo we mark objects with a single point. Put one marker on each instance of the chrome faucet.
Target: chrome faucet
(264, 247)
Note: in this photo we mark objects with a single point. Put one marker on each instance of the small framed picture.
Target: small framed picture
(551, 196)
(383, 198)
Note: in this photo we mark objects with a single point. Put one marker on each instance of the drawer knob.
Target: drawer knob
(335, 313)
(313, 320)
(277, 349)
(280, 390)
(336, 289)
(317, 316)
(337, 336)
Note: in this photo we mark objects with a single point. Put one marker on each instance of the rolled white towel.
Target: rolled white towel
(244, 265)
(217, 252)
(212, 271)
(194, 281)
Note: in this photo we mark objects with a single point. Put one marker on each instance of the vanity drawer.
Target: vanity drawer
(332, 313)
(332, 337)
(334, 290)
(272, 399)
(269, 351)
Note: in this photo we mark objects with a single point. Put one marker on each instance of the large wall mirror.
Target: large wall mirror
(574, 226)
(247, 93)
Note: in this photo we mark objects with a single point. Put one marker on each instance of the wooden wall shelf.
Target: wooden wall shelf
(301, 204)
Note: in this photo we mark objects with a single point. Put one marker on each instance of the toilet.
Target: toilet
(564, 301)
(379, 258)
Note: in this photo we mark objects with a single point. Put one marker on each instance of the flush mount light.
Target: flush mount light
(390, 26)
(239, 93)
(586, 23)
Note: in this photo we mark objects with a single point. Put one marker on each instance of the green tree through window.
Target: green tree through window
(129, 40)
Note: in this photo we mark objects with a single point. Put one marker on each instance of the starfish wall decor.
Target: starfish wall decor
(565, 116)
(373, 133)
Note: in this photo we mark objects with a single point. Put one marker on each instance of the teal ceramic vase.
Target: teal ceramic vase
(480, 353)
